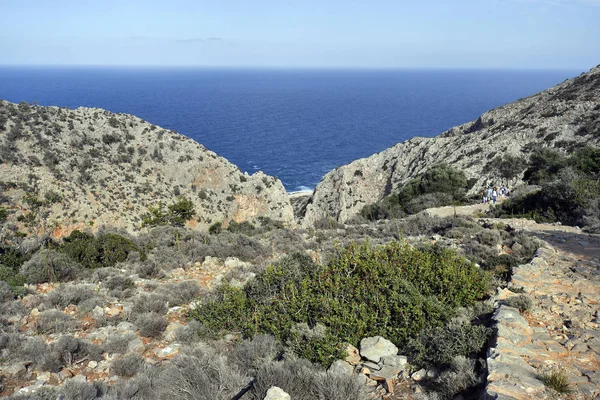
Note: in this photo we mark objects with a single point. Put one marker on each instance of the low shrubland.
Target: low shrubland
(440, 185)
(394, 291)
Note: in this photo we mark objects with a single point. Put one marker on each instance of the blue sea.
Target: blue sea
(294, 124)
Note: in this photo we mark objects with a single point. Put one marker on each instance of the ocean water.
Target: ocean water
(294, 124)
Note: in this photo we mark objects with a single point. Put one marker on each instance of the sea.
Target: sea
(296, 124)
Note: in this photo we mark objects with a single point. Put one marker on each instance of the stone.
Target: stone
(126, 327)
(419, 375)
(92, 364)
(395, 361)
(168, 350)
(341, 367)
(65, 373)
(276, 393)
(386, 372)
(172, 329)
(98, 312)
(136, 346)
(373, 348)
(353, 355)
(16, 369)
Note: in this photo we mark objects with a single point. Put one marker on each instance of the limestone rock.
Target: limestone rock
(353, 355)
(276, 393)
(341, 367)
(374, 348)
(561, 113)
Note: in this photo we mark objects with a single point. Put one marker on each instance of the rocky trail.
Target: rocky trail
(561, 329)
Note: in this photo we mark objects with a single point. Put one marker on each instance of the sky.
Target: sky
(549, 34)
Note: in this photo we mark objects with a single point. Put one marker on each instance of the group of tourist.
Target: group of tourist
(491, 194)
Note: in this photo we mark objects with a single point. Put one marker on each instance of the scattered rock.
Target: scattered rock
(353, 355)
(276, 393)
(373, 348)
(341, 367)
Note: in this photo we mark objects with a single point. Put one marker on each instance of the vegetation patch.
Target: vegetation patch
(440, 185)
(393, 290)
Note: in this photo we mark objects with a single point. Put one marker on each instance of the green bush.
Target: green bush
(14, 279)
(440, 185)
(557, 380)
(394, 291)
(3, 214)
(97, 252)
(176, 214)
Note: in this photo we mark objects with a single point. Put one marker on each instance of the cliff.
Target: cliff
(63, 169)
(562, 116)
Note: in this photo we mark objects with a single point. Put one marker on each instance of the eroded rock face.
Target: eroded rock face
(561, 116)
(63, 169)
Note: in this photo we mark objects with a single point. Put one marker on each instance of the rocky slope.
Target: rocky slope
(63, 169)
(561, 116)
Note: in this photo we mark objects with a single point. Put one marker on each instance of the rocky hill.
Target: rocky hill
(562, 116)
(63, 169)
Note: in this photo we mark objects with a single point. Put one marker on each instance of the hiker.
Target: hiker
(494, 195)
(484, 196)
(489, 193)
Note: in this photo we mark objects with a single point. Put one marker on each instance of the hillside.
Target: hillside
(63, 169)
(560, 117)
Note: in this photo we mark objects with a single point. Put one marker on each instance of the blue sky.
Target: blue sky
(307, 33)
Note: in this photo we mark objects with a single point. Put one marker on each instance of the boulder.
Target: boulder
(276, 393)
(373, 348)
(341, 367)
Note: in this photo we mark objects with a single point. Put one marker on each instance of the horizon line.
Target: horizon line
(275, 67)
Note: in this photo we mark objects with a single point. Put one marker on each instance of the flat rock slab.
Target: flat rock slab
(373, 348)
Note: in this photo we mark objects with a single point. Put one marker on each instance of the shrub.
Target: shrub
(412, 289)
(176, 214)
(72, 351)
(53, 321)
(3, 214)
(440, 185)
(64, 295)
(522, 302)
(557, 380)
(6, 292)
(150, 303)
(189, 333)
(244, 228)
(96, 252)
(177, 294)
(76, 390)
(305, 381)
(200, 375)
(250, 354)
(49, 266)
(149, 269)
(14, 279)
(215, 228)
(119, 282)
(437, 347)
(117, 344)
(460, 375)
(143, 386)
(151, 324)
(127, 366)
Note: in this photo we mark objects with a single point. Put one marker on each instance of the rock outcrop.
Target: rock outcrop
(562, 116)
(63, 169)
